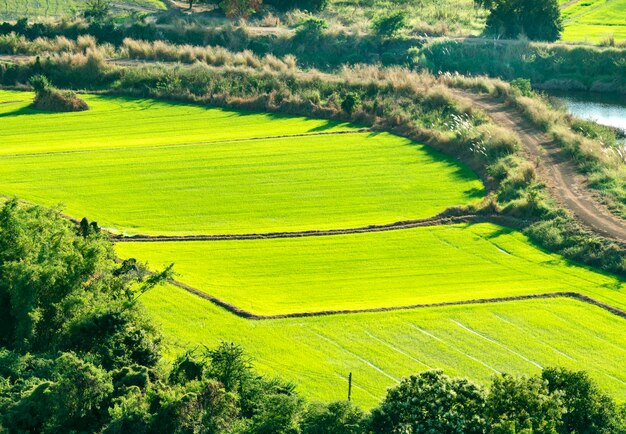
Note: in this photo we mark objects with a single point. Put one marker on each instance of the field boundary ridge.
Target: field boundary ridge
(242, 313)
(439, 220)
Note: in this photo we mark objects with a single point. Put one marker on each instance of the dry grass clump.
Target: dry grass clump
(14, 44)
(60, 101)
(214, 56)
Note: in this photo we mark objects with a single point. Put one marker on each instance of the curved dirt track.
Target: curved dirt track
(555, 168)
(407, 224)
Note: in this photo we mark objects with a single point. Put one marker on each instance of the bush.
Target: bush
(389, 25)
(350, 102)
(59, 101)
(311, 29)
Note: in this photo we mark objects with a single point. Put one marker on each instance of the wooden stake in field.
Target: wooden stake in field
(349, 386)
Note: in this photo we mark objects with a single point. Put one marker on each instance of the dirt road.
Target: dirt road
(555, 168)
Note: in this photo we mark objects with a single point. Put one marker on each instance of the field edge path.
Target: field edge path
(557, 170)
(439, 220)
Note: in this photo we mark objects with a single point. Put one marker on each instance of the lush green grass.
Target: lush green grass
(157, 168)
(476, 341)
(424, 265)
(119, 122)
(595, 20)
(14, 9)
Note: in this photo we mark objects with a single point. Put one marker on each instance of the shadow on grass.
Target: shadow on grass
(22, 111)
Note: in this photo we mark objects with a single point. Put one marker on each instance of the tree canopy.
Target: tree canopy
(534, 19)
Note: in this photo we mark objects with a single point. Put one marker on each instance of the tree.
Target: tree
(588, 410)
(229, 365)
(431, 402)
(388, 26)
(77, 394)
(277, 414)
(234, 9)
(535, 19)
(335, 418)
(523, 405)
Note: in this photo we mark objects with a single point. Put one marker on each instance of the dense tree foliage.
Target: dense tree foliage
(431, 402)
(535, 19)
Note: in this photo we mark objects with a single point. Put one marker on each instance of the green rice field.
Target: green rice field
(161, 168)
(476, 341)
(382, 269)
(156, 167)
(594, 20)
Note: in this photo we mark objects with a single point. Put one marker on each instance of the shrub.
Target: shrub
(50, 99)
(350, 102)
(523, 86)
(311, 29)
(389, 25)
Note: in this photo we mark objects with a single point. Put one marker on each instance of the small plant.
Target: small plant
(523, 86)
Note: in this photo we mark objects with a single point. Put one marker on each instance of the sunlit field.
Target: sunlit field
(158, 168)
(476, 341)
(384, 269)
(594, 20)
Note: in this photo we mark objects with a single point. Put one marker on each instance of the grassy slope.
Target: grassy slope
(594, 20)
(424, 265)
(318, 353)
(174, 185)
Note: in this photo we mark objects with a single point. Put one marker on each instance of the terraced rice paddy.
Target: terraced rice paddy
(594, 20)
(172, 169)
(143, 166)
(474, 341)
(384, 269)
(15, 9)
